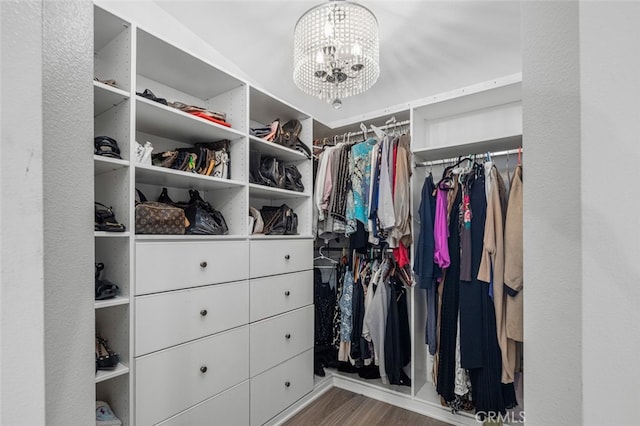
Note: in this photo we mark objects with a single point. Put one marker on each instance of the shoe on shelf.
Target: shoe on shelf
(105, 219)
(106, 359)
(104, 289)
(105, 416)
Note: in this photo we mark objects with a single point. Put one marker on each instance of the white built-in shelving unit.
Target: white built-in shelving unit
(175, 370)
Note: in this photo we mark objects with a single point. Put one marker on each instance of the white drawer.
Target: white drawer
(167, 319)
(276, 389)
(280, 293)
(226, 408)
(170, 381)
(279, 338)
(163, 266)
(271, 257)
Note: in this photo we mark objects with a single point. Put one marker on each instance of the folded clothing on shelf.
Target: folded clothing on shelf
(213, 116)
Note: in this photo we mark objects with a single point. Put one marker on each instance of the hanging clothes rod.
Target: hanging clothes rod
(385, 127)
(454, 159)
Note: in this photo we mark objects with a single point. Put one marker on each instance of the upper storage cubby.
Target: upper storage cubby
(178, 77)
(112, 81)
(112, 54)
(181, 103)
(263, 110)
(474, 119)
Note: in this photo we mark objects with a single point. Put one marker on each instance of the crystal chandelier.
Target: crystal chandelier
(336, 52)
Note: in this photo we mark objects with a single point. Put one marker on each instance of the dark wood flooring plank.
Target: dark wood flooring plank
(338, 407)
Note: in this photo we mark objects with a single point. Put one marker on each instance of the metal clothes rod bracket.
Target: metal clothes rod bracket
(454, 159)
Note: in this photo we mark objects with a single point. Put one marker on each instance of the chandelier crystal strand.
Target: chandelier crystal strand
(336, 51)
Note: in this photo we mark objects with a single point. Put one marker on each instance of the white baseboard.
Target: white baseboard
(433, 410)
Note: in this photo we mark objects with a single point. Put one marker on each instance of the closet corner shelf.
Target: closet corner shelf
(479, 147)
(111, 234)
(149, 237)
(116, 301)
(399, 390)
(161, 120)
(162, 176)
(280, 152)
(103, 375)
(261, 191)
(106, 97)
(105, 164)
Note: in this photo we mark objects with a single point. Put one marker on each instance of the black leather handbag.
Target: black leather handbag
(293, 178)
(273, 172)
(203, 218)
(279, 220)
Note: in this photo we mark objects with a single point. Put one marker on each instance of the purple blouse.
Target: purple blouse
(441, 231)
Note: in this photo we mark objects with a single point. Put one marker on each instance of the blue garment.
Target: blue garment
(375, 192)
(358, 197)
(425, 268)
(346, 307)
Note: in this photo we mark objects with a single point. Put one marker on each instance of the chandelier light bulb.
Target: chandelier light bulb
(356, 49)
(328, 29)
(336, 104)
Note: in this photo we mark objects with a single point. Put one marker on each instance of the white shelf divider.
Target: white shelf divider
(273, 149)
(102, 375)
(105, 234)
(262, 191)
(106, 96)
(116, 301)
(107, 164)
(163, 176)
(158, 119)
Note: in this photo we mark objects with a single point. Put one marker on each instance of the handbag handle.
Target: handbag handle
(141, 196)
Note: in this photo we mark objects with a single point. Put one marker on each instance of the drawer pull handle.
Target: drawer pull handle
(287, 257)
(287, 293)
(287, 336)
(287, 383)
(203, 312)
(203, 264)
(203, 369)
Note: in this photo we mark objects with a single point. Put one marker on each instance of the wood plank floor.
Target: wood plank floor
(338, 407)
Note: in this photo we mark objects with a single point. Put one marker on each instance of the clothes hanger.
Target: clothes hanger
(519, 156)
(391, 121)
(380, 134)
(364, 131)
(323, 257)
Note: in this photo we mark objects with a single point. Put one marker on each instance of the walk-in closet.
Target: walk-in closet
(327, 212)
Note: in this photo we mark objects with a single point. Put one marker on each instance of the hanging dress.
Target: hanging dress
(446, 369)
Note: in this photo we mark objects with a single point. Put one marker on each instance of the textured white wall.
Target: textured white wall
(67, 55)
(21, 258)
(46, 244)
(610, 98)
(552, 218)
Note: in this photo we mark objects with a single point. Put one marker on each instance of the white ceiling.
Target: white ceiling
(426, 47)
